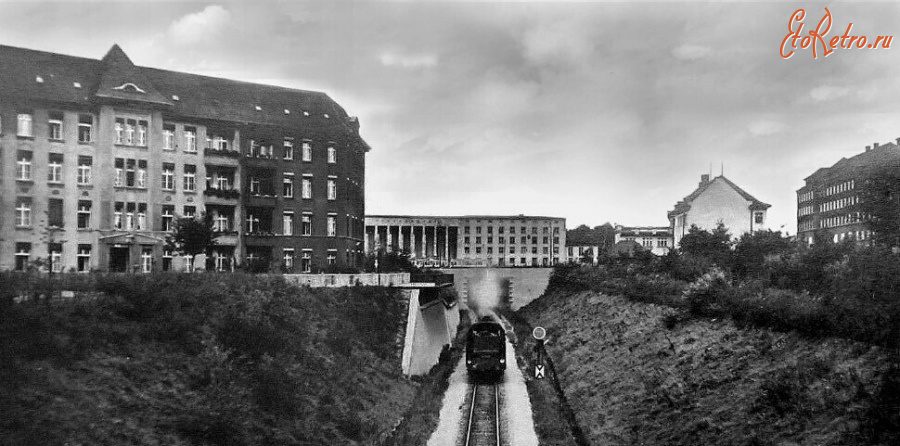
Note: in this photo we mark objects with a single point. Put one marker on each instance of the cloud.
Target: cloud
(409, 61)
(828, 93)
(200, 26)
(691, 52)
(552, 41)
(765, 128)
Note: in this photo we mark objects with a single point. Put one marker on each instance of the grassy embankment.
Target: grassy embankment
(690, 372)
(201, 359)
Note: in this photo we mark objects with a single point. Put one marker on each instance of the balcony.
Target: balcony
(224, 153)
(227, 194)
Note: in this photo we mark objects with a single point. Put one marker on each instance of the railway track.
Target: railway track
(483, 427)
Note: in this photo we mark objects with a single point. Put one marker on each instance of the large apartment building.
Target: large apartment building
(471, 240)
(830, 203)
(99, 157)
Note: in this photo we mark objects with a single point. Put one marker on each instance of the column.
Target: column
(424, 243)
(435, 242)
(390, 244)
(412, 241)
(400, 237)
(447, 243)
(366, 240)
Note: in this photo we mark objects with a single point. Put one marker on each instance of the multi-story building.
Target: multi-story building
(656, 239)
(471, 240)
(99, 157)
(715, 201)
(830, 203)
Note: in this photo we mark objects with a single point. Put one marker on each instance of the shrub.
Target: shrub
(706, 295)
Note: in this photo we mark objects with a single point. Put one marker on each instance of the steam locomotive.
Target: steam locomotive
(486, 349)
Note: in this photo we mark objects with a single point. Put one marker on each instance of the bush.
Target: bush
(707, 295)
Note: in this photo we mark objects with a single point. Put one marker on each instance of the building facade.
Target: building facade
(474, 240)
(715, 201)
(830, 203)
(656, 239)
(99, 157)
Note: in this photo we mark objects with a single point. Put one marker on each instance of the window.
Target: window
(54, 168)
(221, 223)
(55, 125)
(216, 142)
(306, 261)
(23, 252)
(478, 230)
(306, 147)
(23, 212)
(55, 212)
(190, 139)
(466, 240)
(478, 240)
(332, 226)
(190, 211)
(25, 127)
(120, 172)
(84, 258)
(130, 172)
(512, 240)
(252, 223)
(331, 258)
(84, 214)
(288, 149)
(190, 176)
(130, 208)
(332, 190)
(168, 136)
(306, 224)
(254, 186)
(84, 170)
(142, 174)
(85, 128)
(142, 133)
(288, 223)
(168, 176)
(288, 258)
(758, 217)
(524, 239)
(146, 260)
(23, 166)
(332, 155)
(168, 217)
(288, 189)
(129, 131)
(306, 188)
(55, 251)
(120, 131)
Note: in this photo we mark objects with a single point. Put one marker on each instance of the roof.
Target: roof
(58, 78)
(685, 204)
(883, 154)
(470, 217)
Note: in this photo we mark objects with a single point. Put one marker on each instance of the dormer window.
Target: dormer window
(175, 97)
(258, 108)
(130, 88)
(76, 84)
(39, 79)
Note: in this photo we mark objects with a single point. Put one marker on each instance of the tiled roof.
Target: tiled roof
(58, 78)
(685, 204)
(884, 154)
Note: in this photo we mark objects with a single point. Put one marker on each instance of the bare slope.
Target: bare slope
(637, 375)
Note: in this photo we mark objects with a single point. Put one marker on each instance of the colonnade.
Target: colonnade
(423, 242)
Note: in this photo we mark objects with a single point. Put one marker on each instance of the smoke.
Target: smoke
(485, 294)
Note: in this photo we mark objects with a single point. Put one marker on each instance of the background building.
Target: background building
(656, 239)
(476, 240)
(100, 156)
(830, 203)
(717, 201)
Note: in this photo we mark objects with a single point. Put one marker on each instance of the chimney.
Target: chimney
(868, 148)
(704, 179)
(875, 145)
(898, 142)
(354, 123)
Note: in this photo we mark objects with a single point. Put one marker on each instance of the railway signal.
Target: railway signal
(539, 371)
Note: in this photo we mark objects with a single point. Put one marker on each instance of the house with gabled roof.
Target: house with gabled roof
(715, 201)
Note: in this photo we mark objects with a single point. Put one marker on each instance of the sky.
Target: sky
(593, 111)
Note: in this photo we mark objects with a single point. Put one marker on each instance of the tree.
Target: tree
(880, 201)
(751, 251)
(714, 245)
(192, 236)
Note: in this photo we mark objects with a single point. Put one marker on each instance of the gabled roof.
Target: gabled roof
(685, 204)
(41, 76)
(883, 155)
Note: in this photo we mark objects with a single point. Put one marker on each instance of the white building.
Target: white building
(656, 239)
(717, 201)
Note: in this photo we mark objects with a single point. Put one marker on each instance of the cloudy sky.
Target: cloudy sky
(593, 111)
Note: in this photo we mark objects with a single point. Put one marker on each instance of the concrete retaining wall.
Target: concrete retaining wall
(339, 280)
(428, 330)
